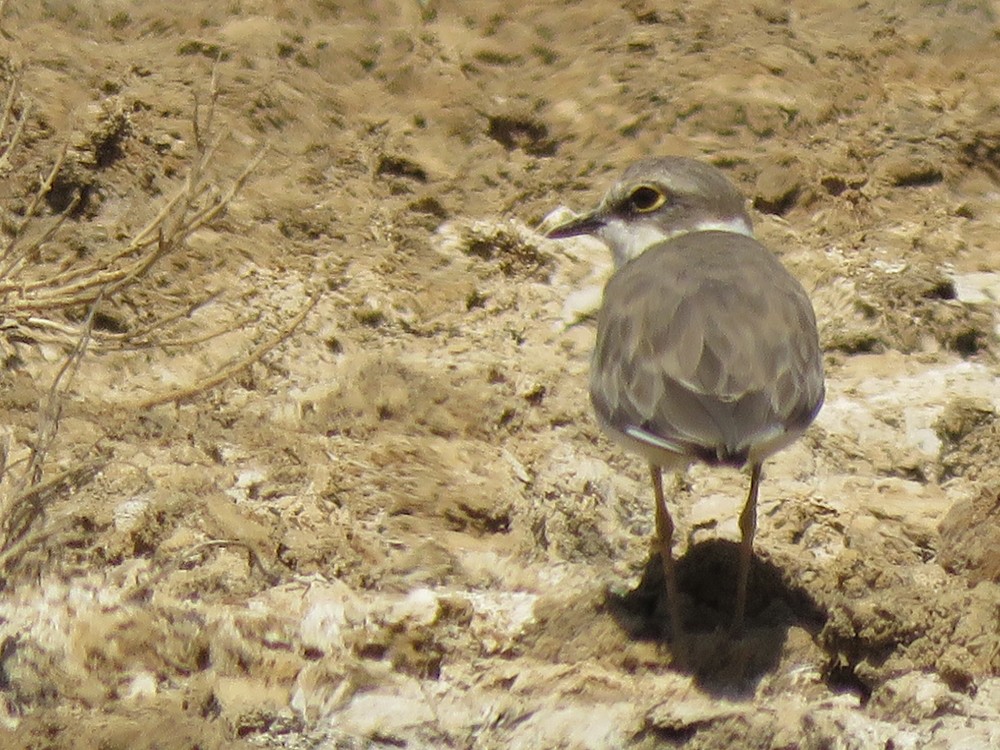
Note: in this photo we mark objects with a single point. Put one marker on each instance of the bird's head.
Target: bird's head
(658, 199)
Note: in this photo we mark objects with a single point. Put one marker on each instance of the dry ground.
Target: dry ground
(398, 524)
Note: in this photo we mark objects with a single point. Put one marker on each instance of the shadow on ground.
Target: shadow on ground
(722, 664)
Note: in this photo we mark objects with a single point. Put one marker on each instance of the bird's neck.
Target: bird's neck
(736, 225)
(628, 242)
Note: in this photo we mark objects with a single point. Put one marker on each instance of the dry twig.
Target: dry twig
(34, 297)
(38, 299)
(24, 505)
(232, 369)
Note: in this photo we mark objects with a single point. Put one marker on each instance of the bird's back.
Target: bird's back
(706, 349)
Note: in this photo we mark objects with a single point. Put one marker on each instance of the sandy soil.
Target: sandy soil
(401, 526)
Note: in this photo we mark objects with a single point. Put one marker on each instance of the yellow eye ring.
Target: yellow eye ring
(646, 198)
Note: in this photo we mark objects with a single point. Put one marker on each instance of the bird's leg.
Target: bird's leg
(665, 538)
(748, 527)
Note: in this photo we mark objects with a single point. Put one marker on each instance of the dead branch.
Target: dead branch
(34, 296)
(8, 116)
(232, 369)
(27, 508)
(3, 32)
(30, 496)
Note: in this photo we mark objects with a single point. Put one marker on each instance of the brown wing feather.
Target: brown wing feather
(707, 345)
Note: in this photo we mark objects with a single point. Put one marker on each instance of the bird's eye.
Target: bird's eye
(646, 198)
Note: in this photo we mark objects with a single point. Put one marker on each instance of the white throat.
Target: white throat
(628, 241)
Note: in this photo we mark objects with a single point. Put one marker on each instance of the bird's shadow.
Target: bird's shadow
(722, 663)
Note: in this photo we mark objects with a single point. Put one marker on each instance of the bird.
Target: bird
(707, 347)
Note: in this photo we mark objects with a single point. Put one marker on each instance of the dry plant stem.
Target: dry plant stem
(86, 292)
(132, 342)
(8, 107)
(52, 407)
(12, 260)
(27, 508)
(60, 333)
(27, 302)
(65, 292)
(150, 234)
(44, 188)
(5, 119)
(144, 239)
(190, 554)
(213, 99)
(210, 213)
(140, 338)
(182, 394)
(81, 286)
(29, 495)
(3, 9)
(136, 340)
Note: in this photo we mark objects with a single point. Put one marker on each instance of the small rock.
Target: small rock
(329, 611)
(772, 12)
(777, 189)
(970, 537)
(384, 715)
(908, 169)
(981, 287)
(143, 685)
(691, 711)
(420, 607)
(641, 40)
(915, 697)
